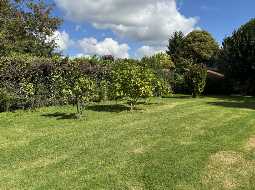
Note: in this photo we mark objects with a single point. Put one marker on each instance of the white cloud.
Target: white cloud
(148, 21)
(148, 51)
(91, 46)
(62, 40)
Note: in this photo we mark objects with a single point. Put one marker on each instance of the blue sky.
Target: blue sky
(134, 28)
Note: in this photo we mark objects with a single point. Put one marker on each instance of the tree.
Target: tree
(175, 44)
(78, 88)
(163, 67)
(199, 46)
(158, 61)
(237, 58)
(196, 79)
(131, 81)
(25, 27)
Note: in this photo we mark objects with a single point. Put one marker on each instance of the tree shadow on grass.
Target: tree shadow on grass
(239, 105)
(61, 116)
(147, 103)
(178, 97)
(117, 108)
(235, 102)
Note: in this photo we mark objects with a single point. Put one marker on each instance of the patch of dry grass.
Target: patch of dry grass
(228, 170)
(250, 146)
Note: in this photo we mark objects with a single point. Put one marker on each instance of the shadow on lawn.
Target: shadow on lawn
(108, 108)
(61, 116)
(235, 102)
(179, 97)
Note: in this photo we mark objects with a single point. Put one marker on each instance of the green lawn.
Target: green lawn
(173, 143)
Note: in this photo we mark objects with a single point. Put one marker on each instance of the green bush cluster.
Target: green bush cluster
(132, 81)
(28, 82)
(196, 79)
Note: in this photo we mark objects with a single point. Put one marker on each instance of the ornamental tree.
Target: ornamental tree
(76, 87)
(195, 78)
(131, 81)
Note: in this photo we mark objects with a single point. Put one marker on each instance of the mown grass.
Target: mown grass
(173, 143)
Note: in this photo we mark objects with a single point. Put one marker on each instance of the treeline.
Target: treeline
(33, 74)
(235, 59)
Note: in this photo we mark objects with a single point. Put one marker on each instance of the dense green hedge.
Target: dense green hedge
(28, 82)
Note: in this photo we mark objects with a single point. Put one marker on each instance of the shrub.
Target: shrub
(158, 61)
(131, 81)
(163, 67)
(30, 79)
(7, 100)
(83, 92)
(74, 86)
(196, 79)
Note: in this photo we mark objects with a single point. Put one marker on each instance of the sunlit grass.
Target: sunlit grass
(173, 143)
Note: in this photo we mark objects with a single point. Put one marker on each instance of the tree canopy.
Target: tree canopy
(25, 27)
(199, 46)
(175, 44)
(237, 57)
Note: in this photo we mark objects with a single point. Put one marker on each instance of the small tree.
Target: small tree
(163, 67)
(80, 92)
(196, 79)
(83, 92)
(75, 87)
(131, 81)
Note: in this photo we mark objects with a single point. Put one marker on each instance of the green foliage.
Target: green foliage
(38, 81)
(199, 46)
(30, 79)
(25, 27)
(131, 81)
(237, 58)
(7, 100)
(27, 92)
(163, 67)
(175, 45)
(158, 61)
(196, 79)
(83, 92)
(75, 87)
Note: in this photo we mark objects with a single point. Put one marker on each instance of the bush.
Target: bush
(7, 100)
(196, 79)
(74, 86)
(36, 81)
(131, 81)
(158, 61)
(30, 79)
(163, 67)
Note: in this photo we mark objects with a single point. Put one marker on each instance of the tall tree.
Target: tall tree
(175, 44)
(237, 57)
(25, 27)
(199, 46)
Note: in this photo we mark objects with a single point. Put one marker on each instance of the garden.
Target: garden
(180, 119)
